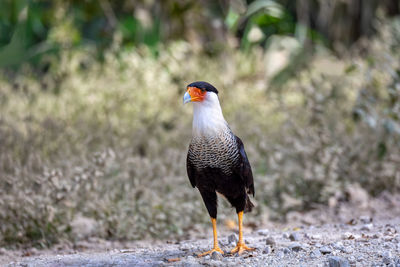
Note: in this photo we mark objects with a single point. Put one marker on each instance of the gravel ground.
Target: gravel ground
(360, 232)
(361, 242)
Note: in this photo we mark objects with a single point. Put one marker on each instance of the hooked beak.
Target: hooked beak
(187, 98)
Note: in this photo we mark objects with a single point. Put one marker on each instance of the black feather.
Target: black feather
(235, 185)
(245, 169)
(203, 86)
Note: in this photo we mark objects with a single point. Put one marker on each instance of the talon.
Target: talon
(240, 248)
(210, 252)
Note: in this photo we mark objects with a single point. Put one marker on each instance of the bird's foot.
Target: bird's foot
(210, 252)
(240, 248)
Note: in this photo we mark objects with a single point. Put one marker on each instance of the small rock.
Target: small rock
(367, 227)
(387, 254)
(3, 251)
(387, 257)
(338, 262)
(325, 250)
(348, 235)
(315, 236)
(296, 247)
(347, 250)
(216, 256)
(317, 245)
(263, 232)
(286, 250)
(280, 254)
(294, 236)
(338, 246)
(267, 250)
(233, 238)
(315, 253)
(376, 235)
(388, 245)
(270, 241)
(286, 235)
(365, 219)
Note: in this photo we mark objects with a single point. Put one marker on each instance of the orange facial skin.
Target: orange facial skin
(196, 94)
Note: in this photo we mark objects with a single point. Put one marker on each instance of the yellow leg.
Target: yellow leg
(241, 246)
(216, 247)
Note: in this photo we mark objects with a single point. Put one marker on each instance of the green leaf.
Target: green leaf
(267, 6)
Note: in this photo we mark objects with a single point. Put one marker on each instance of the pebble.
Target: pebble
(315, 253)
(233, 238)
(338, 246)
(294, 236)
(338, 262)
(318, 245)
(286, 235)
(280, 254)
(325, 250)
(387, 254)
(296, 247)
(387, 257)
(264, 232)
(352, 259)
(3, 251)
(347, 250)
(315, 236)
(286, 250)
(216, 256)
(267, 250)
(270, 241)
(365, 219)
(348, 235)
(367, 227)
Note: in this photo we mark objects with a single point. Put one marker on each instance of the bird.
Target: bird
(217, 161)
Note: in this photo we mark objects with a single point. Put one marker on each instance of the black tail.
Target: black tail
(248, 206)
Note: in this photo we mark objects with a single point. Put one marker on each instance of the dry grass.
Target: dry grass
(108, 141)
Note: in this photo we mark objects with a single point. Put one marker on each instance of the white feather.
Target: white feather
(208, 119)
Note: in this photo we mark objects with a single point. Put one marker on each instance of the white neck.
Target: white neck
(207, 116)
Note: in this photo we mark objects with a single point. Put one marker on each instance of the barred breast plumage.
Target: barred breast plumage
(215, 151)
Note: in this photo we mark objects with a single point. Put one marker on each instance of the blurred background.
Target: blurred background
(94, 136)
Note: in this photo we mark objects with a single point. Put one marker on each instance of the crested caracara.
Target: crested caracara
(216, 160)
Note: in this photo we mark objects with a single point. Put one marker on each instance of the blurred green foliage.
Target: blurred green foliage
(30, 29)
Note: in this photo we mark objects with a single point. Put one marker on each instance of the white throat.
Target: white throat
(208, 119)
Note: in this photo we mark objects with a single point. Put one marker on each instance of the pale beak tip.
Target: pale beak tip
(186, 98)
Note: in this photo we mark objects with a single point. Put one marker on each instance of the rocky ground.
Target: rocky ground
(359, 234)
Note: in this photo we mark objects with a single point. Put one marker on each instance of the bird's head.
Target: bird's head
(207, 115)
(199, 92)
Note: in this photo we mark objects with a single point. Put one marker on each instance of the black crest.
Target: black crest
(204, 86)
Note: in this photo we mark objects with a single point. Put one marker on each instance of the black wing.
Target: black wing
(191, 171)
(245, 169)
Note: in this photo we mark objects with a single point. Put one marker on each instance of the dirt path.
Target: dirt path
(360, 232)
(362, 242)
